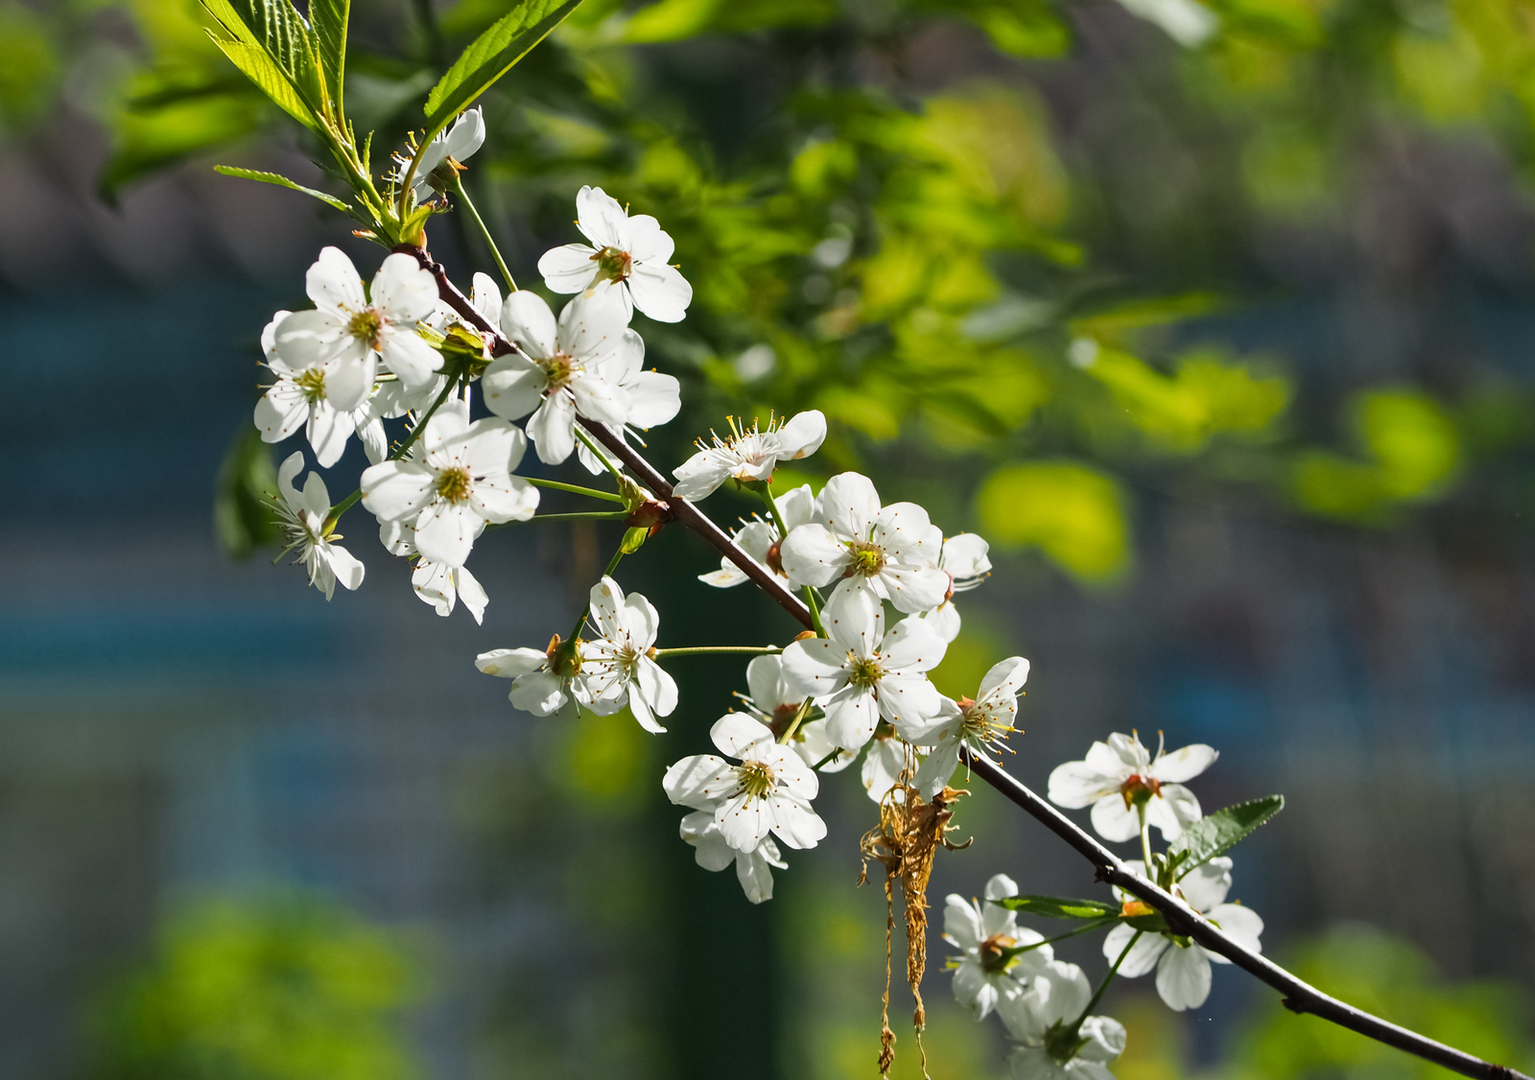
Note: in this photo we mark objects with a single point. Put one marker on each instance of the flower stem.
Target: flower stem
(829, 757)
(574, 489)
(1145, 840)
(1097, 924)
(495, 252)
(783, 533)
(602, 457)
(708, 650)
(799, 718)
(588, 515)
(1098, 994)
(400, 451)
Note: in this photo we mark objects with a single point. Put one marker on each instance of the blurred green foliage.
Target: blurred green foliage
(286, 987)
(983, 263)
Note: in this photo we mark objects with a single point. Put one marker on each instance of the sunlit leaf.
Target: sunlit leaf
(281, 181)
(329, 20)
(259, 68)
(1073, 513)
(1058, 907)
(492, 55)
(1221, 831)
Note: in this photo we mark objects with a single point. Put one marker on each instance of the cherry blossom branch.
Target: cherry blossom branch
(1300, 997)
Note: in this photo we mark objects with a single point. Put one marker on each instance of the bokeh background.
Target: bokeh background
(1217, 319)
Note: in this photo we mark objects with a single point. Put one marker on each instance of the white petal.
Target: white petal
(737, 735)
(1205, 887)
(1114, 821)
(812, 555)
(513, 386)
(327, 432)
(1143, 954)
(410, 357)
(445, 532)
(1184, 764)
(280, 412)
(1242, 924)
(922, 589)
(333, 282)
(568, 269)
(654, 399)
(699, 781)
(814, 667)
(646, 240)
(397, 490)
(527, 321)
(849, 505)
(660, 291)
(600, 217)
(404, 291)
(912, 645)
(700, 476)
(1077, 784)
(553, 428)
(801, 436)
(510, 663)
(754, 875)
(1183, 977)
(604, 603)
(851, 716)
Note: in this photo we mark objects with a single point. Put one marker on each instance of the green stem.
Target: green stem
(1145, 840)
(602, 457)
(783, 532)
(590, 515)
(574, 489)
(709, 650)
(495, 252)
(1098, 994)
(829, 757)
(400, 451)
(1096, 924)
(799, 718)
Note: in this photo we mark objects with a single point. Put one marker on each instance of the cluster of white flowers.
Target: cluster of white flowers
(1044, 1002)
(362, 356)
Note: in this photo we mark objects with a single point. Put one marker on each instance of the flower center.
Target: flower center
(993, 954)
(558, 370)
(866, 559)
(613, 263)
(453, 484)
(312, 382)
(864, 672)
(756, 778)
(1138, 790)
(366, 326)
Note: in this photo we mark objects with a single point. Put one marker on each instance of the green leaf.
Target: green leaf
(329, 19)
(276, 29)
(243, 518)
(1058, 907)
(282, 181)
(259, 68)
(491, 55)
(1222, 831)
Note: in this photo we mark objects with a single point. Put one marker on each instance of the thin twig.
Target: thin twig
(1300, 996)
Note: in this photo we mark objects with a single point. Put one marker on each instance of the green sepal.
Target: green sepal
(1059, 907)
(282, 181)
(1221, 831)
(634, 539)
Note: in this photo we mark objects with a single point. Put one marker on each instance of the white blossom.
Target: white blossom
(460, 480)
(618, 667)
(883, 763)
(303, 515)
(565, 369)
(346, 326)
(455, 145)
(771, 702)
(750, 454)
(438, 584)
(860, 674)
(769, 791)
(1183, 970)
(985, 974)
(1054, 999)
(753, 868)
(630, 257)
(1120, 773)
(982, 723)
(542, 680)
(891, 552)
(654, 398)
(965, 559)
(302, 396)
(760, 539)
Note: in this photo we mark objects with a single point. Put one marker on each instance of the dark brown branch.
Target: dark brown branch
(1300, 997)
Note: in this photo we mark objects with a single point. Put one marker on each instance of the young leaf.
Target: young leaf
(491, 55)
(276, 29)
(329, 19)
(243, 518)
(1057, 907)
(259, 68)
(1221, 831)
(282, 181)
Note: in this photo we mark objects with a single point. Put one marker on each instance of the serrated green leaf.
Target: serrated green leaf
(329, 21)
(259, 68)
(282, 181)
(1221, 831)
(276, 29)
(1059, 907)
(491, 55)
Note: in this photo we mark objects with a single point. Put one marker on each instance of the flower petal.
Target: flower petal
(660, 291)
(404, 290)
(397, 490)
(699, 781)
(568, 269)
(334, 284)
(1183, 977)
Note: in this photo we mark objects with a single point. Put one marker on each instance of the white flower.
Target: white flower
(1183, 971)
(964, 558)
(1119, 774)
(303, 516)
(454, 145)
(346, 326)
(1055, 998)
(986, 974)
(749, 454)
(461, 480)
(618, 666)
(563, 369)
(542, 681)
(773, 704)
(760, 539)
(770, 790)
(883, 763)
(891, 552)
(753, 868)
(303, 395)
(436, 583)
(981, 724)
(861, 674)
(654, 398)
(631, 253)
